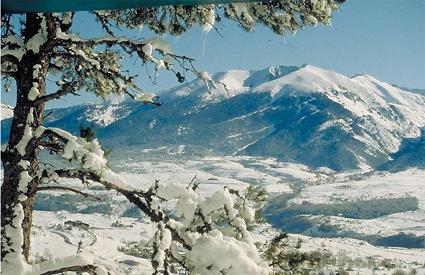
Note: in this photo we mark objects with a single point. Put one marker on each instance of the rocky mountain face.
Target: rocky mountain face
(302, 114)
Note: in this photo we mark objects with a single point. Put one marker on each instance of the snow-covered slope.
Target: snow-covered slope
(104, 115)
(112, 224)
(382, 208)
(410, 154)
(304, 114)
(359, 120)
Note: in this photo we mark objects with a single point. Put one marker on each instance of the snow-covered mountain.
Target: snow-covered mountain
(410, 154)
(304, 114)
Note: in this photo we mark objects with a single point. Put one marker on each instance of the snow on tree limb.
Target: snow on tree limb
(196, 221)
(280, 16)
(90, 269)
(44, 44)
(196, 224)
(65, 89)
(71, 49)
(80, 263)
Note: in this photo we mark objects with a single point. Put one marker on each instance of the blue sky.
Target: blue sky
(384, 38)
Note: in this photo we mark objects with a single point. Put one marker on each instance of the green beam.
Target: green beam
(47, 6)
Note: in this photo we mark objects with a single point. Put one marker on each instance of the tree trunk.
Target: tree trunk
(20, 158)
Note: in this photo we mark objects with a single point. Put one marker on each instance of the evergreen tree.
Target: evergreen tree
(36, 46)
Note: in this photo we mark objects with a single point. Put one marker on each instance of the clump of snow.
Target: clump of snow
(28, 134)
(36, 71)
(146, 97)
(88, 153)
(148, 50)
(226, 255)
(14, 46)
(205, 76)
(247, 212)
(34, 92)
(159, 44)
(90, 156)
(209, 24)
(24, 179)
(162, 241)
(311, 20)
(159, 64)
(237, 243)
(35, 42)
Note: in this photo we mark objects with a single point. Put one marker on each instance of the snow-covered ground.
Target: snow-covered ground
(109, 231)
(275, 176)
(404, 184)
(102, 239)
(106, 235)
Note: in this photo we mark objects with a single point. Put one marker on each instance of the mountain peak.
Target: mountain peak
(364, 76)
(303, 113)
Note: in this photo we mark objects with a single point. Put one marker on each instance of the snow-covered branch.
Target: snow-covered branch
(12, 48)
(89, 269)
(65, 89)
(80, 264)
(44, 44)
(194, 222)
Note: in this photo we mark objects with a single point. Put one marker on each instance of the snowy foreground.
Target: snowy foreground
(112, 234)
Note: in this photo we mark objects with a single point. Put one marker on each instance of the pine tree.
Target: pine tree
(36, 46)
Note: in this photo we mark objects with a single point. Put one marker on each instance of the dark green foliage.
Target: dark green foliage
(285, 258)
(87, 132)
(177, 19)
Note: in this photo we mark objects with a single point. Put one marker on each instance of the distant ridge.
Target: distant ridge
(304, 114)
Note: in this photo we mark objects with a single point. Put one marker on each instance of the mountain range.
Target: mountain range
(301, 114)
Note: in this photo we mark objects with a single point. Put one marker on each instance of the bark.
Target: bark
(11, 194)
(90, 269)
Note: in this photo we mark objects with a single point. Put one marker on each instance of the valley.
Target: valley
(342, 159)
(114, 221)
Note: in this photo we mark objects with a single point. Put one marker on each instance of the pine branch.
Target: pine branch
(91, 269)
(8, 59)
(65, 89)
(134, 197)
(106, 25)
(51, 135)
